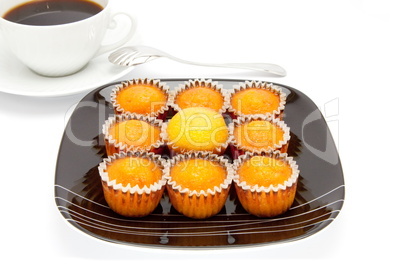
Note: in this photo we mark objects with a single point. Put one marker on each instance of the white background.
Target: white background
(345, 55)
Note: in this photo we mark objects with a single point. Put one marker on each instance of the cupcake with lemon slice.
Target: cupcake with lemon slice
(196, 129)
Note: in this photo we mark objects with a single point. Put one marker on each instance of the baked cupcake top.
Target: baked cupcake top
(135, 133)
(196, 129)
(265, 171)
(259, 133)
(133, 171)
(199, 173)
(252, 98)
(140, 96)
(198, 93)
(131, 132)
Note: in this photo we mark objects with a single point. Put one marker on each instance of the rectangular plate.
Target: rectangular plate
(79, 195)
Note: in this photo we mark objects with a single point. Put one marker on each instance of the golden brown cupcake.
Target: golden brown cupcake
(198, 183)
(266, 183)
(198, 93)
(251, 98)
(130, 132)
(141, 96)
(258, 133)
(196, 129)
(132, 182)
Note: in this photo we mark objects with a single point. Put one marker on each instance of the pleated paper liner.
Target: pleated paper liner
(266, 201)
(132, 201)
(199, 204)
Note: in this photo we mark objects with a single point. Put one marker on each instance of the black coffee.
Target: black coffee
(52, 12)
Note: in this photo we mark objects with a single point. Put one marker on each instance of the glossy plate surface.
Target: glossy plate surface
(79, 196)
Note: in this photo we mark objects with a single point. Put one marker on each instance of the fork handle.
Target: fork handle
(265, 67)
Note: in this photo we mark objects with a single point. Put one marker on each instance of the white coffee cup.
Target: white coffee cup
(59, 50)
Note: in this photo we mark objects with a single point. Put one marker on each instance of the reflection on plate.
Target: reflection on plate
(79, 196)
(16, 78)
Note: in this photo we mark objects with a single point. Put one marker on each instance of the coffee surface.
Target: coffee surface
(53, 12)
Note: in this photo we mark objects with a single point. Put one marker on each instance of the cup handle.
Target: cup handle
(113, 25)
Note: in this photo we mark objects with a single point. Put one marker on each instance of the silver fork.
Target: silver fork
(135, 55)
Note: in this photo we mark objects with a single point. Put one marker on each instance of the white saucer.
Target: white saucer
(16, 78)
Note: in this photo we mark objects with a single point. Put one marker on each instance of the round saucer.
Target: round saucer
(16, 78)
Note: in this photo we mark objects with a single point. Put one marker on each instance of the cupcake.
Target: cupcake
(196, 129)
(141, 96)
(258, 133)
(130, 132)
(265, 183)
(198, 183)
(251, 98)
(198, 93)
(132, 182)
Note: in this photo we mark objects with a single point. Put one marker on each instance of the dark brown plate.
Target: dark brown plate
(79, 196)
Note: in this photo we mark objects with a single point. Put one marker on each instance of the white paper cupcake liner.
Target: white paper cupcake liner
(156, 83)
(272, 154)
(214, 85)
(246, 119)
(259, 85)
(128, 188)
(200, 155)
(125, 117)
